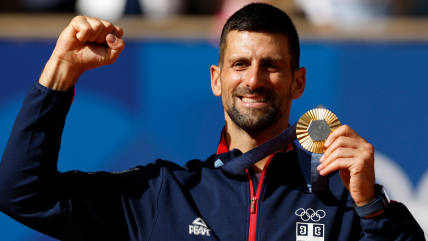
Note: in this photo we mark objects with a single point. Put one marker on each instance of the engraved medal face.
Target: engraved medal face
(314, 127)
(318, 130)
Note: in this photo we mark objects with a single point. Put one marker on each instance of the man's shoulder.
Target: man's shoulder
(197, 165)
(187, 174)
(194, 165)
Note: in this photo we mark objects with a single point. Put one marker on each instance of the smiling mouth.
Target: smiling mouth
(254, 100)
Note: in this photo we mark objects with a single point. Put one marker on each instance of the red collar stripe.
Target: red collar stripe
(223, 147)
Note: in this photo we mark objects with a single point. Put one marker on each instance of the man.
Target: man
(257, 77)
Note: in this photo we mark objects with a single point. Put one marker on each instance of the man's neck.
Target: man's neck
(245, 141)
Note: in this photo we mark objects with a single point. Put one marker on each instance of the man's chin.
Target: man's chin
(253, 128)
(251, 112)
(253, 122)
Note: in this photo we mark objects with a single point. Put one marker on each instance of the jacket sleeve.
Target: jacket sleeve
(72, 205)
(396, 223)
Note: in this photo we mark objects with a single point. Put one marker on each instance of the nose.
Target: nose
(254, 77)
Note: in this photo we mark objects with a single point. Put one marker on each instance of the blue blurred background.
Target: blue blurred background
(156, 102)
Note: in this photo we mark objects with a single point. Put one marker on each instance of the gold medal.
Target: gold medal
(314, 127)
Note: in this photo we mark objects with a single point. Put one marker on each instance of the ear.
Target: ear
(215, 80)
(299, 83)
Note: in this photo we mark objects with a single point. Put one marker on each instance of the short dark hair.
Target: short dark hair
(265, 18)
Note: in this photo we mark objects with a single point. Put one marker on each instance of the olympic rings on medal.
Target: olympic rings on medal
(309, 213)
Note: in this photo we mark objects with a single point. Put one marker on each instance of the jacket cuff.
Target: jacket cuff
(55, 92)
(396, 223)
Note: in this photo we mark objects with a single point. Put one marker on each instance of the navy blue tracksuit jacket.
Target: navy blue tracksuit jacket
(163, 201)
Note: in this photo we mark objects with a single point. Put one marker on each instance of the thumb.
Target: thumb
(115, 47)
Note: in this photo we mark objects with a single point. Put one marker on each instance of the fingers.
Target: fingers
(117, 31)
(116, 45)
(108, 28)
(351, 159)
(82, 27)
(339, 163)
(94, 30)
(344, 146)
(349, 142)
(342, 131)
(97, 28)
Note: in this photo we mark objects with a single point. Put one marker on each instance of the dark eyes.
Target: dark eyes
(268, 66)
(240, 64)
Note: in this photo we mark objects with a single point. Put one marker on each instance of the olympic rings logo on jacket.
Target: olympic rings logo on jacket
(309, 213)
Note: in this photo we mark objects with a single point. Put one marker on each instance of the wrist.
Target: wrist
(367, 200)
(376, 206)
(59, 75)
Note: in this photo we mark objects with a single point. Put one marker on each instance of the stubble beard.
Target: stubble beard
(253, 121)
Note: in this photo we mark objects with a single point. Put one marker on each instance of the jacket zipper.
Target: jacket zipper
(255, 200)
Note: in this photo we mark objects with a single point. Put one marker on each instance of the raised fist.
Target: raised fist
(86, 43)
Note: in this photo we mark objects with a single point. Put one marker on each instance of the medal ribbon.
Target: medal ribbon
(246, 160)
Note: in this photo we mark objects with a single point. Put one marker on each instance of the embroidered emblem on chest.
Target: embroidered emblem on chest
(199, 227)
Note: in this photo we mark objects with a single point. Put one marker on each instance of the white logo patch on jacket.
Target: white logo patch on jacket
(199, 227)
(310, 231)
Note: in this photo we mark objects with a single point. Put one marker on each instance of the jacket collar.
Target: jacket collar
(223, 146)
(304, 158)
(225, 155)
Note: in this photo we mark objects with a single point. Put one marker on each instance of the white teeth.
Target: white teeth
(252, 100)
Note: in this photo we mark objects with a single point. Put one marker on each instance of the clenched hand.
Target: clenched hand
(86, 43)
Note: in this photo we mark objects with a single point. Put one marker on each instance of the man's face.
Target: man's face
(256, 79)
